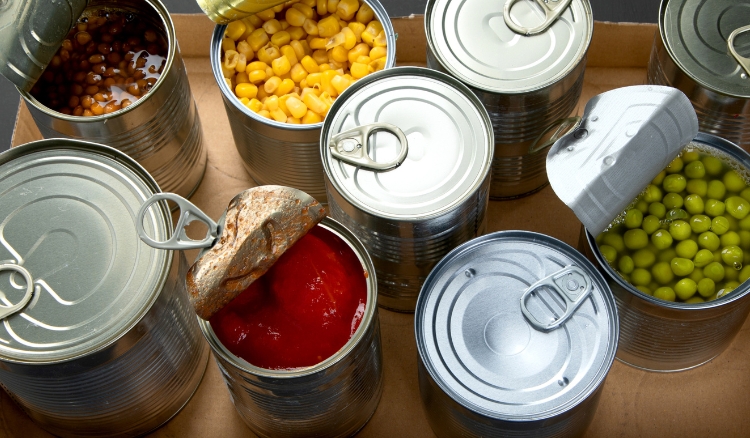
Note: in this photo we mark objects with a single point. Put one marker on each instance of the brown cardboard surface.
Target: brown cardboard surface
(712, 400)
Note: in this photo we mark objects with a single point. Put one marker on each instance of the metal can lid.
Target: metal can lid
(473, 41)
(482, 348)
(695, 32)
(439, 155)
(69, 210)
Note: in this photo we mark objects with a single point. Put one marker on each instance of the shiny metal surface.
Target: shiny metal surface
(281, 153)
(408, 218)
(334, 398)
(485, 370)
(658, 335)
(626, 137)
(161, 131)
(109, 345)
(224, 11)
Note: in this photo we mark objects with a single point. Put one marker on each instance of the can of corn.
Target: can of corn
(407, 155)
(516, 332)
(276, 152)
(528, 78)
(98, 337)
(702, 49)
(161, 130)
(334, 398)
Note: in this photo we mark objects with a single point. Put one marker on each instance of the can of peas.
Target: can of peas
(528, 78)
(280, 70)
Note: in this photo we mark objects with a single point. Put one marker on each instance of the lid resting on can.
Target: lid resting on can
(438, 131)
(695, 33)
(69, 212)
(517, 326)
(473, 42)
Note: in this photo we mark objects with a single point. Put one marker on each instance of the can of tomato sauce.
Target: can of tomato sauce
(113, 75)
(98, 337)
(324, 396)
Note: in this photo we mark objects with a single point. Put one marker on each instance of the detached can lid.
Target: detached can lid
(68, 238)
(516, 326)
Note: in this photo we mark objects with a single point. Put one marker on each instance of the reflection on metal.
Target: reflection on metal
(552, 11)
(570, 283)
(351, 146)
(744, 62)
(179, 239)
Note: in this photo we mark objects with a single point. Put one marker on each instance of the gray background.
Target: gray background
(638, 11)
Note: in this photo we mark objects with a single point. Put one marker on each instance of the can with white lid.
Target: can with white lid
(529, 78)
(516, 332)
(98, 337)
(415, 192)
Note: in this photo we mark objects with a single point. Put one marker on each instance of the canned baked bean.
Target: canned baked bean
(98, 337)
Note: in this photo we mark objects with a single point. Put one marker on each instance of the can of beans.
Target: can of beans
(276, 152)
(702, 49)
(516, 332)
(107, 85)
(529, 79)
(98, 337)
(407, 156)
(335, 397)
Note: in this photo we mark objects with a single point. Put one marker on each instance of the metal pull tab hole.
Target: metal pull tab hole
(179, 239)
(552, 11)
(9, 295)
(353, 147)
(743, 61)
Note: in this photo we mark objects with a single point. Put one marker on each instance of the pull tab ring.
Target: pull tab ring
(561, 127)
(551, 14)
(10, 310)
(351, 146)
(741, 60)
(188, 213)
(573, 286)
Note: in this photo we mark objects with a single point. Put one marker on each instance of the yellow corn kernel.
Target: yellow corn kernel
(244, 100)
(241, 78)
(320, 56)
(296, 33)
(318, 43)
(271, 103)
(326, 99)
(241, 63)
(326, 77)
(310, 3)
(321, 7)
(246, 90)
(303, 83)
(365, 14)
(290, 54)
(314, 103)
(357, 28)
(332, 5)
(272, 84)
(230, 59)
(287, 86)
(338, 66)
(298, 73)
(378, 52)
(272, 26)
(311, 27)
(313, 79)
(258, 39)
(257, 65)
(335, 41)
(299, 49)
(361, 49)
(309, 64)
(249, 28)
(281, 38)
(227, 72)
(340, 83)
(310, 118)
(282, 104)
(269, 53)
(306, 46)
(228, 81)
(256, 76)
(281, 65)
(307, 11)
(255, 20)
(295, 17)
(328, 27)
(255, 105)
(266, 15)
(339, 54)
(262, 94)
(325, 67)
(308, 90)
(264, 113)
(227, 44)
(347, 8)
(278, 8)
(350, 40)
(244, 48)
(296, 107)
(234, 30)
(284, 24)
(293, 121)
(279, 115)
(380, 40)
(377, 64)
(359, 70)
(364, 59)
(371, 31)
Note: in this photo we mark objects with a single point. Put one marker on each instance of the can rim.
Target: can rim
(163, 14)
(371, 306)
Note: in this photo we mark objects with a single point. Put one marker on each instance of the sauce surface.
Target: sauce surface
(300, 312)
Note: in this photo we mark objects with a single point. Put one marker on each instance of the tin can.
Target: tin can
(281, 153)
(659, 335)
(416, 194)
(529, 80)
(98, 337)
(698, 50)
(333, 398)
(161, 130)
(516, 332)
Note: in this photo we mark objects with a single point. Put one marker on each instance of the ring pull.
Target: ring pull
(570, 283)
(563, 127)
(741, 60)
(179, 239)
(551, 14)
(351, 146)
(10, 310)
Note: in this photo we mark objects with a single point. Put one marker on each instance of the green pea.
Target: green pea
(731, 274)
(674, 183)
(694, 204)
(717, 255)
(734, 224)
(652, 194)
(662, 273)
(685, 289)
(661, 239)
(672, 200)
(681, 267)
(732, 255)
(675, 166)
(744, 274)
(716, 189)
(650, 224)
(640, 277)
(700, 223)
(713, 165)
(706, 287)
(730, 238)
(657, 209)
(666, 255)
(709, 241)
(737, 207)
(724, 291)
(644, 258)
(680, 230)
(697, 187)
(695, 300)
(719, 225)
(687, 249)
(744, 239)
(614, 240)
(689, 155)
(609, 253)
(633, 218)
(714, 207)
(696, 169)
(642, 206)
(645, 290)
(745, 223)
(626, 264)
(733, 181)
(702, 258)
(745, 194)
(635, 239)
(696, 275)
(714, 271)
(665, 293)
(659, 178)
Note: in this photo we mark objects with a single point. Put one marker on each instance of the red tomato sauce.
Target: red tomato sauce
(300, 312)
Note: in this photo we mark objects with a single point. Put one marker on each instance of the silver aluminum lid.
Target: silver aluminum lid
(449, 136)
(480, 348)
(472, 41)
(695, 33)
(69, 211)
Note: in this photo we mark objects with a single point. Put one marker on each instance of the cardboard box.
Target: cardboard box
(712, 400)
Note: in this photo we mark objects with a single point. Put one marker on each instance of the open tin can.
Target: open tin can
(98, 337)
(516, 332)
(407, 155)
(525, 61)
